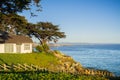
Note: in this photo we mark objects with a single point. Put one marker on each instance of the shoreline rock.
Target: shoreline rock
(68, 65)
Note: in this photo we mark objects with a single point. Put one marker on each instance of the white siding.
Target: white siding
(23, 50)
(18, 48)
(10, 48)
(1, 48)
(14, 48)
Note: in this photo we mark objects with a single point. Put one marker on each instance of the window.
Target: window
(26, 46)
(8, 48)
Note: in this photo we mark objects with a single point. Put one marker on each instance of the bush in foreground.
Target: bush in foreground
(45, 76)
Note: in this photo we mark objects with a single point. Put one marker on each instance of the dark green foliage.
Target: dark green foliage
(13, 23)
(46, 47)
(114, 78)
(45, 75)
(14, 6)
(39, 48)
(42, 48)
(9, 14)
(45, 32)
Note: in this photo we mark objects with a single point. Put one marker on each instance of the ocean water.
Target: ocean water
(98, 56)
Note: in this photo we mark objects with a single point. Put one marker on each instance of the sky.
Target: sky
(84, 21)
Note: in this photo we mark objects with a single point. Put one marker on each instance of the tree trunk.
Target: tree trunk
(43, 43)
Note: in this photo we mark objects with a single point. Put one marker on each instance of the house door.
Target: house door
(18, 48)
(8, 48)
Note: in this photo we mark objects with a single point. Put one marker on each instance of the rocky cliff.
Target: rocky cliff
(68, 65)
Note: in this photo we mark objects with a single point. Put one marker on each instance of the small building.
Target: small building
(10, 43)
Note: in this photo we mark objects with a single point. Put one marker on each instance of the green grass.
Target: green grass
(40, 59)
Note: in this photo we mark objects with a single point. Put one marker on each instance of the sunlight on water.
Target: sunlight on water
(106, 57)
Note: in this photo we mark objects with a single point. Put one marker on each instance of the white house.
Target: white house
(10, 43)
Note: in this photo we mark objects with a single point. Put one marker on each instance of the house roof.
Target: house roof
(14, 39)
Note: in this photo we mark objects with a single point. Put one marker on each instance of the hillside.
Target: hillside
(40, 59)
(53, 61)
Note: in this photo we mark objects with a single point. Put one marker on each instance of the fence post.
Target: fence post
(12, 67)
(31, 67)
(25, 67)
(4, 67)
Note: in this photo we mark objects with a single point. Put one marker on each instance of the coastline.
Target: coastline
(65, 65)
(95, 56)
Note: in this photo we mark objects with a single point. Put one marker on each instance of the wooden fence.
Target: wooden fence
(31, 67)
(20, 67)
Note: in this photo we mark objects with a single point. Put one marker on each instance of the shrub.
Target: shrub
(45, 47)
(39, 48)
(46, 76)
(42, 48)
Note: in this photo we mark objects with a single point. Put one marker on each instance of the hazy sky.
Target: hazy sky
(92, 21)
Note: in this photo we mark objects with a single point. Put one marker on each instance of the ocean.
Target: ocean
(98, 56)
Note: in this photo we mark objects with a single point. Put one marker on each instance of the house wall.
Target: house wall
(1, 48)
(14, 48)
(23, 48)
(8, 44)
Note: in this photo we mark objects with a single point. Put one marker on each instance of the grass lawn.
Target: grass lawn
(40, 59)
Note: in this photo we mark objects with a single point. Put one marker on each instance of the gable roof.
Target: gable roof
(18, 39)
(10, 38)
